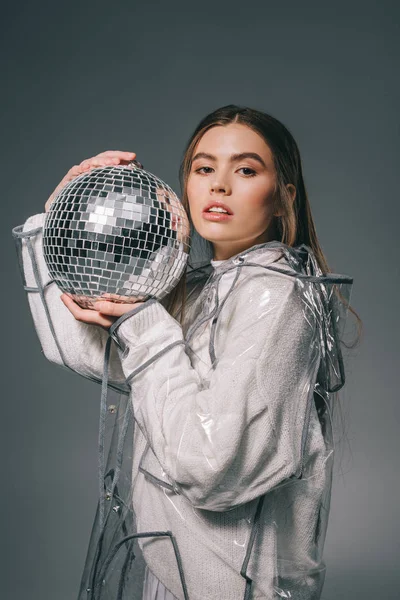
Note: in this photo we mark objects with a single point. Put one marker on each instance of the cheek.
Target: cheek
(193, 190)
(194, 183)
(259, 202)
(189, 189)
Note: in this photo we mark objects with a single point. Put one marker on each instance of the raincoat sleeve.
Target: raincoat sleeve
(227, 442)
(65, 341)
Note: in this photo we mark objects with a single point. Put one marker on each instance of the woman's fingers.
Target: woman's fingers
(73, 172)
(114, 309)
(104, 314)
(109, 157)
(118, 154)
(86, 315)
(99, 161)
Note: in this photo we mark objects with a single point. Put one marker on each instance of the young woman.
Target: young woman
(219, 475)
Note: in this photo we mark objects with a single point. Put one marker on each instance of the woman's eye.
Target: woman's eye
(252, 172)
(201, 168)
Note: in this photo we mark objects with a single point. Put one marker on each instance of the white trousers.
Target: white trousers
(153, 589)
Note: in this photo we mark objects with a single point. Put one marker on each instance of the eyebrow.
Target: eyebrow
(233, 157)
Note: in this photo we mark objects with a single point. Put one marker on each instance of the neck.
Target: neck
(224, 250)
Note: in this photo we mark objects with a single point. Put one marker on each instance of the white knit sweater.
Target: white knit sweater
(221, 434)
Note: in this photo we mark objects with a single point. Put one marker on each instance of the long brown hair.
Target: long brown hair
(295, 225)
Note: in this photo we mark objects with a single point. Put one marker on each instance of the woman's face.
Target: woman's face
(223, 172)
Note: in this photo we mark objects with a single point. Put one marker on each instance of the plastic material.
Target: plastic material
(218, 475)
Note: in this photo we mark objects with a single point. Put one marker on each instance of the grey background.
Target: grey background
(82, 78)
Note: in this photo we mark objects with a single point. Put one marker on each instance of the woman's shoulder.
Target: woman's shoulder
(265, 272)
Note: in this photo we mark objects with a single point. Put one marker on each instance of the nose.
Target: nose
(219, 186)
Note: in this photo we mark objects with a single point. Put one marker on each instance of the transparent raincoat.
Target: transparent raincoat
(217, 476)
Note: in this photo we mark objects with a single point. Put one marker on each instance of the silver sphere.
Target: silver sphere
(116, 232)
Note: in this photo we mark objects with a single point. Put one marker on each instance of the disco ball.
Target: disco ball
(117, 232)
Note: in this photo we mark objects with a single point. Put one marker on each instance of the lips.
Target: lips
(218, 204)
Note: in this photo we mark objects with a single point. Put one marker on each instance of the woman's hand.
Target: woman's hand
(104, 314)
(109, 157)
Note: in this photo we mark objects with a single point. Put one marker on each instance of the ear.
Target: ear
(292, 193)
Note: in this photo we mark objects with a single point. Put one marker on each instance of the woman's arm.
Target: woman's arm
(64, 340)
(242, 435)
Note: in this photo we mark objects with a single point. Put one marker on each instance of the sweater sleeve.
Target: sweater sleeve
(233, 439)
(64, 340)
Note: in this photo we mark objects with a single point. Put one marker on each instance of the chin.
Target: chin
(214, 239)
